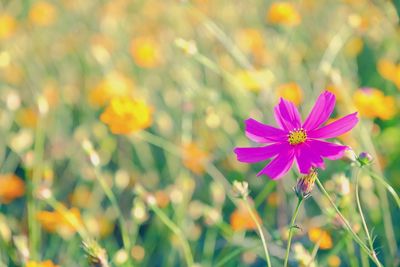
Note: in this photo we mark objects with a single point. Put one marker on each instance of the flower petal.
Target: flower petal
(279, 166)
(321, 111)
(327, 150)
(262, 133)
(307, 158)
(256, 154)
(287, 115)
(335, 128)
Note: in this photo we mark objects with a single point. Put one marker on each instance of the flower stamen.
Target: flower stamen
(297, 136)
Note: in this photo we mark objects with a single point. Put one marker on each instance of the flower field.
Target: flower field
(199, 133)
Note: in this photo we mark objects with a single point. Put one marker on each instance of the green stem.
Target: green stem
(32, 205)
(314, 252)
(260, 231)
(296, 211)
(364, 223)
(347, 224)
(57, 206)
(351, 253)
(387, 185)
(114, 203)
(177, 231)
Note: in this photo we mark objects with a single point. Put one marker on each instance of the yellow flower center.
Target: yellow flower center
(297, 136)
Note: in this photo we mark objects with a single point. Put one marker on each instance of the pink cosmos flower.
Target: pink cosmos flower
(294, 140)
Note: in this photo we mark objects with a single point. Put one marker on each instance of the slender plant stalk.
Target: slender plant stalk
(114, 203)
(364, 223)
(177, 231)
(364, 260)
(388, 187)
(260, 231)
(57, 206)
(32, 205)
(352, 253)
(348, 226)
(296, 211)
(314, 251)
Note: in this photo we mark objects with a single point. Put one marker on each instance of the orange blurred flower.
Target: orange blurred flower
(162, 199)
(47, 263)
(318, 235)
(27, 117)
(58, 222)
(372, 103)
(8, 25)
(290, 91)
(11, 187)
(113, 85)
(146, 52)
(334, 261)
(241, 220)
(273, 199)
(390, 71)
(194, 158)
(250, 39)
(386, 68)
(125, 115)
(283, 13)
(42, 13)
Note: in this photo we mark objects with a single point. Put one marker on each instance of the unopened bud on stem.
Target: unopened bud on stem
(305, 184)
(241, 189)
(364, 158)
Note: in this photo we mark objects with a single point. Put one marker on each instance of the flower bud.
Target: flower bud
(305, 184)
(188, 47)
(241, 189)
(96, 255)
(364, 158)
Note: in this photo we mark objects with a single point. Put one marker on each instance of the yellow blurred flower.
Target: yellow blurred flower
(337, 91)
(194, 158)
(8, 25)
(354, 46)
(372, 103)
(81, 197)
(241, 220)
(290, 91)
(113, 85)
(42, 13)
(126, 115)
(47, 263)
(11, 187)
(27, 117)
(254, 80)
(283, 13)
(146, 52)
(57, 222)
(99, 226)
(317, 235)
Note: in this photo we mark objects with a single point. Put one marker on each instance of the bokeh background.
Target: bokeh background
(118, 118)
